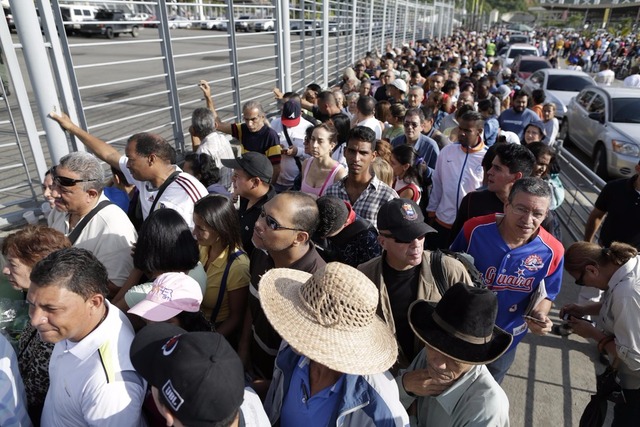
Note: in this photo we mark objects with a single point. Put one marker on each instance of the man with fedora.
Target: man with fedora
(252, 183)
(448, 378)
(403, 272)
(196, 378)
(331, 368)
(291, 129)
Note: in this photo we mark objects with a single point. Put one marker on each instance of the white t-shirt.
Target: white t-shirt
(109, 236)
(218, 147)
(288, 167)
(373, 124)
(180, 195)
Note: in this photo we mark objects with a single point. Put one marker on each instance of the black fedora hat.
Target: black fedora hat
(461, 325)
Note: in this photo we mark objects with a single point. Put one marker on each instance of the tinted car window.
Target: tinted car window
(536, 77)
(625, 110)
(585, 98)
(568, 83)
(530, 66)
(597, 105)
(517, 52)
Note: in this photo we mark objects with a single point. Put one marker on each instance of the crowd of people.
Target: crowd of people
(303, 281)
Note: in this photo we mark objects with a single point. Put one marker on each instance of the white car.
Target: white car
(604, 123)
(179, 22)
(559, 86)
(518, 49)
(219, 24)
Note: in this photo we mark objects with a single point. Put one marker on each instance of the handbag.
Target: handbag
(608, 389)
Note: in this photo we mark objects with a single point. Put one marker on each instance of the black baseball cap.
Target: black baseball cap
(254, 164)
(403, 219)
(199, 375)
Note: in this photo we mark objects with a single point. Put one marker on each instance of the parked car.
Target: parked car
(559, 85)
(604, 123)
(265, 24)
(518, 49)
(179, 22)
(115, 23)
(219, 24)
(245, 23)
(75, 15)
(523, 66)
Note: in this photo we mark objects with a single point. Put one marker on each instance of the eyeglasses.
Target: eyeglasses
(67, 182)
(273, 224)
(580, 280)
(411, 124)
(400, 241)
(521, 210)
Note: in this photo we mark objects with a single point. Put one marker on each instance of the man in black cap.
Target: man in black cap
(448, 378)
(403, 272)
(196, 378)
(252, 182)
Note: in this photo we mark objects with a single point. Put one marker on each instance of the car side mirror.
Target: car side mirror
(599, 117)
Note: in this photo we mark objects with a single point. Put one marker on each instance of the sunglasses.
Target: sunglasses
(404, 242)
(273, 224)
(580, 280)
(67, 182)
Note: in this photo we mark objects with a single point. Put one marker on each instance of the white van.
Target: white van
(519, 49)
(76, 14)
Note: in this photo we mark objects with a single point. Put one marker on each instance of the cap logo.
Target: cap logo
(292, 115)
(170, 345)
(172, 396)
(408, 212)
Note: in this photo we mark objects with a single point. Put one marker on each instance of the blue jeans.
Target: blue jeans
(500, 366)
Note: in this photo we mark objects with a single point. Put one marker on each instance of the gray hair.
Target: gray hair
(531, 185)
(88, 167)
(253, 105)
(416, 87)
(202, 122)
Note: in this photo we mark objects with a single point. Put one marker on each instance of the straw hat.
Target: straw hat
(330, 317)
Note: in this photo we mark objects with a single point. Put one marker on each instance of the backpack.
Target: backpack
(467, 261)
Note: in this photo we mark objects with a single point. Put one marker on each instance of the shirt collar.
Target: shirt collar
(89, 344)
(449, 398)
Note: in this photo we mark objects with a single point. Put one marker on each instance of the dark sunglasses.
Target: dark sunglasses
(67, 182)
(389, 236)
(273, 224)
(580, 280)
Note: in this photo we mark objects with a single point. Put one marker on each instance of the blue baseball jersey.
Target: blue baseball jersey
(512, 274)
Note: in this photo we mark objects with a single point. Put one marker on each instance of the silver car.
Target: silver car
(559, 86)
(604, 122)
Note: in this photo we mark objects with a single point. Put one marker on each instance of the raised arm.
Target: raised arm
(102, 150)
(206, 90)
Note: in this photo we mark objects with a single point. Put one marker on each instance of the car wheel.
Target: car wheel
(600, 162)
(135, 32)
(563, 134)
(109, 32)
(188, 26)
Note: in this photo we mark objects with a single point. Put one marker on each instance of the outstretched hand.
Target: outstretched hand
(205, 88)
(63, 120)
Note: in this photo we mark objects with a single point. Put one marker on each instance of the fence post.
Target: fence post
(170, 70)
(325, 42)
(395, 21)
(370, 42)
(415, 21)
(28, 27)
(233, 57)
(384, 26)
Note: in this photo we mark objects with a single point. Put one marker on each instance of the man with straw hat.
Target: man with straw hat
(448, 378)
(331, 367)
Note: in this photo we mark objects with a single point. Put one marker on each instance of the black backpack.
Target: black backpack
(438, 272)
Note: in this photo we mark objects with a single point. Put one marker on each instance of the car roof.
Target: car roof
(533, 58)
(523, 46)
(618, 92)
(564, 72)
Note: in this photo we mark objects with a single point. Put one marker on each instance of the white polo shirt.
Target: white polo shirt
(180, 195)
(288, 167)
(92, 382)
(109, 236)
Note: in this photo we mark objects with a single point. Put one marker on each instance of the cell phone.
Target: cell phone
(538, 321)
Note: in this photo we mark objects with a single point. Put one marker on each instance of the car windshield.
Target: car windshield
(104, 15)
(625, 110)
(517, 52)
(531, 66)
(568, 83)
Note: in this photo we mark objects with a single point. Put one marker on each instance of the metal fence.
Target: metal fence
(116, 87)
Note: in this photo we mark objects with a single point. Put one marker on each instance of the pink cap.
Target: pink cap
(172, 293)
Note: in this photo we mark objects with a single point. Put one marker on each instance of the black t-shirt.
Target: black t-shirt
(402, 287)
(248, 218)
(620, 200)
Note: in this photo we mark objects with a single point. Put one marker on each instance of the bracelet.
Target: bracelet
(604, 341)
